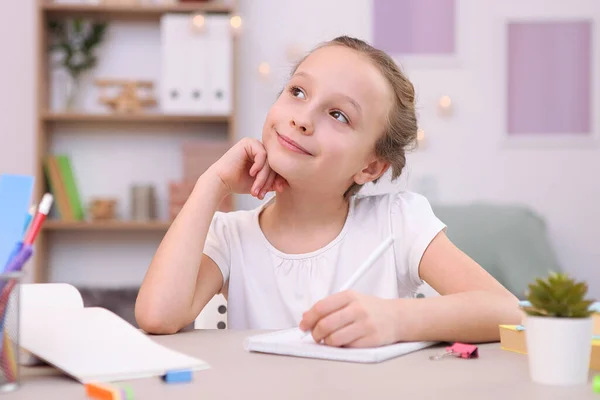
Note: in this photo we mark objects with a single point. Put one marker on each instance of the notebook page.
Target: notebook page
(34, 300)
(293, 342)
(94, 344)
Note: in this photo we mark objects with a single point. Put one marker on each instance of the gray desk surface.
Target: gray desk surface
(236, 374)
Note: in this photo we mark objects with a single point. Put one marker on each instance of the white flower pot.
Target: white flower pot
(559, 349)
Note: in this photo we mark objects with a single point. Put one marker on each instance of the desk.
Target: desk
(236, 374)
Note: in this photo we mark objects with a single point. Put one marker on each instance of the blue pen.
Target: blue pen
(29, 218)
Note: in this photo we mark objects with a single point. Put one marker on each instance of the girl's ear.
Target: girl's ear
(371, 172)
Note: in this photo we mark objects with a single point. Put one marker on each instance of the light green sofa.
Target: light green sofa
(510, 242)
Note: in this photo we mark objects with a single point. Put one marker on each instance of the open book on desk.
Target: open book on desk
(90, 344)
(294, 342)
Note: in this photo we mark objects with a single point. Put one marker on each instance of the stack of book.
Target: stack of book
(63, 185)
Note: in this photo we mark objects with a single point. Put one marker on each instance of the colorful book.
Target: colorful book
(70, 184)
(57, 188)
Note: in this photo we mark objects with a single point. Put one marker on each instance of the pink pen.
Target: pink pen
(39, 219)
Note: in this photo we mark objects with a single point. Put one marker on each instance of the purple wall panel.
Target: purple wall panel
(414, 26)
(549, 77)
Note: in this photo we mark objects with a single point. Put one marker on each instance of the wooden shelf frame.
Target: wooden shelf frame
(110, 226)
(141, 11)
(46, 120)
(133, 118)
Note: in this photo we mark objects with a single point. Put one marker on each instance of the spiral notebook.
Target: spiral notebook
(293, 342)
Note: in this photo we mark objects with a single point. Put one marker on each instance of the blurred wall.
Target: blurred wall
(465, 157)
(17, 85)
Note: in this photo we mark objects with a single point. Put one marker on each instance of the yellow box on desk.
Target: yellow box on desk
(512, 339)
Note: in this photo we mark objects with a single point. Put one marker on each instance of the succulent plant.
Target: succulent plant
(558, 296)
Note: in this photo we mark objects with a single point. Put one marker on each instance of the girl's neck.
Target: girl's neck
(300, 222)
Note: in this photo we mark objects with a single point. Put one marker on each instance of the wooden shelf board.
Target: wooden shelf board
(137, 118)
(58, 225)
(126, 11)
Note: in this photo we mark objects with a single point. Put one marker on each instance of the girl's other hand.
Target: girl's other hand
(244, 169)
(351, 319)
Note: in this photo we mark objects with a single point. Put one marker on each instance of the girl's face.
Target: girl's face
(320, 134)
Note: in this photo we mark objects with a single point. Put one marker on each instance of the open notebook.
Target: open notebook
(89, 344)
(293, 342)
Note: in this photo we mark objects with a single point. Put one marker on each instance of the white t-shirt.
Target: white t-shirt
(269, 289)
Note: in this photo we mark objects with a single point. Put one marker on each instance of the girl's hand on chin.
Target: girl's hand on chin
(244, 169)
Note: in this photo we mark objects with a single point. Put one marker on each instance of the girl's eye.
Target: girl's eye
(339, 116)
(297, 92)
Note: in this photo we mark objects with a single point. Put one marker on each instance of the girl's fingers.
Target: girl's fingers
(349, 334)
(323, 308)
(332, 323)
(363, 341)
(259, 157)
(260, 180)
(268, 184)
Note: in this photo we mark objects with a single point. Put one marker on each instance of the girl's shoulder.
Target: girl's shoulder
(394, 202)
(238, 220)
(403, 210)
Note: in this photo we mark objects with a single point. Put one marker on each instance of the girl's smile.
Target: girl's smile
(291, 145)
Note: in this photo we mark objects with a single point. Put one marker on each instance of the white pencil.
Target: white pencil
(368, 263)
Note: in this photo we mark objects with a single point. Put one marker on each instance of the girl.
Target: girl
(343, 119)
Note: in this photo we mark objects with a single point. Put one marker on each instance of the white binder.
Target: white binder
(197, 67)
(175, 28)
(220, 64)
(198, 60)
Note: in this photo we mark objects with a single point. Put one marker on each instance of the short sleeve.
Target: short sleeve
(414, 226)
(217, 244)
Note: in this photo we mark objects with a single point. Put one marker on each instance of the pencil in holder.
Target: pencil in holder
(9, 323)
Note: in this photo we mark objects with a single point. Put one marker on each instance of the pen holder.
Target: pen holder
(9, 323)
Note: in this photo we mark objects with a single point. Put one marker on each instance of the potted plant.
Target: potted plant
(76, 40)
(558, 330)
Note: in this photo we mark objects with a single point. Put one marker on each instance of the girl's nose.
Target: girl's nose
(304, 126)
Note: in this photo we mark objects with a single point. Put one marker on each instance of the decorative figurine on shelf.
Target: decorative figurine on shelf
(558, 331)
(103, 209)
(77, 40)
(127, 101)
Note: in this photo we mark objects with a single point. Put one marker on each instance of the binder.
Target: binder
(174, 81)
(198, 59)
(197, 65)
(220, 65)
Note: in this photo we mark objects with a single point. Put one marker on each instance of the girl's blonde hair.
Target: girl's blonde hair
(401, 124)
